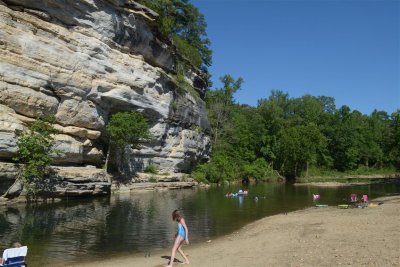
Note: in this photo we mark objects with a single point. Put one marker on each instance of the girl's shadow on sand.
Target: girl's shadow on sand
(168, 259)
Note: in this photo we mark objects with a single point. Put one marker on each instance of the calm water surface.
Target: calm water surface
(65, 233)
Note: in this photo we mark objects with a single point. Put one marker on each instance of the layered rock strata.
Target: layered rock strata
(63, 182)
(82, 61)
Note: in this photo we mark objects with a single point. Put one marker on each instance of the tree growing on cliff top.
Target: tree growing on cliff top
(34, 149)
(182, 22)
(127, 128)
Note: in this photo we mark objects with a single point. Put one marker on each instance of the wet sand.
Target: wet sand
(311, 237)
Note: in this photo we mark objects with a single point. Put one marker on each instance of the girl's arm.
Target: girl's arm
(182, 221)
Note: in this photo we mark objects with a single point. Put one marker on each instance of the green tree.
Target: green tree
(373, 133)
(307, 109)
(300, 147)
(343, 139)
(186, 26)
(220, 104)
(34, 152)
(247, 132)
(127, 128)
(394, 140)
(231, 139)
(274, 112)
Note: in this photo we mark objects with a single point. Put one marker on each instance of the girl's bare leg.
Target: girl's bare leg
(178, 242)
(183, 254)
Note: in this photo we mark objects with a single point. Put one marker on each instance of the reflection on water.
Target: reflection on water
(61, 233)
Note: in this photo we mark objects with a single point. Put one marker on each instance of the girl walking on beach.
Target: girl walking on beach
(181, 236)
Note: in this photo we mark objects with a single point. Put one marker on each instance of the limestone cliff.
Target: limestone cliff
(83, 60)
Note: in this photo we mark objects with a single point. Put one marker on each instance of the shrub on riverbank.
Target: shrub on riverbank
(35, 147)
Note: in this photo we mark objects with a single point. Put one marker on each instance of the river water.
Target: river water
(68, 232)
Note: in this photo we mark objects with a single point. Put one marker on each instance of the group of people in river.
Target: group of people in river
(238, 193)
(241, 193)
(352, 201)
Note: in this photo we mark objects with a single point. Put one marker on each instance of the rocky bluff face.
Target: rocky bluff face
(85, 60)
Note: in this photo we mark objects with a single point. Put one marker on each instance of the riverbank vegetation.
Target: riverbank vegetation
(304, 137)
(35, 148)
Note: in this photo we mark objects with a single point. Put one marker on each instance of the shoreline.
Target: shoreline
(331, 184)
(309, 237)
(389, 176)
(349, 180)
(339, 184)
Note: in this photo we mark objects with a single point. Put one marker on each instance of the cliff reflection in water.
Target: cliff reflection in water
(64, 232)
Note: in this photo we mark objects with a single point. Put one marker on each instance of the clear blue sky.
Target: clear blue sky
(347, 49)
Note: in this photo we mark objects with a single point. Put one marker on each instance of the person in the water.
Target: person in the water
(181, 236)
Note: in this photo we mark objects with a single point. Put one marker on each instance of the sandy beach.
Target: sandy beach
(311, 237)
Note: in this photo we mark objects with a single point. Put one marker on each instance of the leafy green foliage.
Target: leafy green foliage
(183, 22)
(295, 137)
(128, 128)
(220, 105)
(183, 86)
(220, 168)
(299, 147)
(188, 51)
(34, 152)
(393, 141)
(152, 179)
(151, 168)
(125, 128)
(259, 169)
